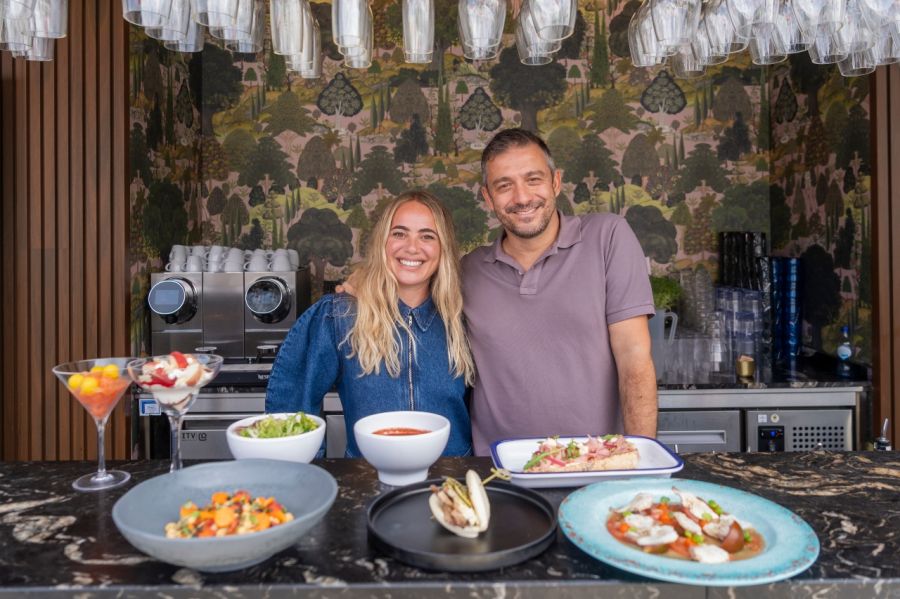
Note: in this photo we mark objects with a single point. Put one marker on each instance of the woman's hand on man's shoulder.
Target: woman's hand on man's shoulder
(348, 286)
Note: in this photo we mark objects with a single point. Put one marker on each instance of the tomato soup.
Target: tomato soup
(400, 431)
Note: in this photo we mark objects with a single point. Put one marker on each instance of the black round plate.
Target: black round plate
(523, 525)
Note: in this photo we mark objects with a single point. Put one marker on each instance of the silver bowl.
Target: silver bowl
(141, 514)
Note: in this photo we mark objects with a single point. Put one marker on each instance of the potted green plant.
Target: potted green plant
(666, 293)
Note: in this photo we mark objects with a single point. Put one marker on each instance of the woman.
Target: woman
(400, 344)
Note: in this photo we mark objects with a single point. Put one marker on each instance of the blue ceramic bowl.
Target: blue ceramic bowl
(141, 514)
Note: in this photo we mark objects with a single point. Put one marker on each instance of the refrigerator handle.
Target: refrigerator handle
(703, 437)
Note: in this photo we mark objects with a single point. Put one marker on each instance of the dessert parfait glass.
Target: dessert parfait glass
(97, 385)
(174, 381)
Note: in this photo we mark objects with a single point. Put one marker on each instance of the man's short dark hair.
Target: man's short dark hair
(512, 138)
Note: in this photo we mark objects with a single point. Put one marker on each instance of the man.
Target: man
(556, 309)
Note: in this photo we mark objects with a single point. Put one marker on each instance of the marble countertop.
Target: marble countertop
(791, 381)
(816, 370)
(54, 540)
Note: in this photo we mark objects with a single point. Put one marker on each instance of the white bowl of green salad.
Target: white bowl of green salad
(294, 437)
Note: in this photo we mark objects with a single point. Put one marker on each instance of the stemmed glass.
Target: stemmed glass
(193, 40)
(50, 18)
(796, 35)
(828, 47)
(248, 37)
(480, 27)
(554, 20)
(533, 50)
(175, 26)
(314, 71)
(686, 64)
(41, 49)
(645, 48)
(704, 50)
(674, 22)
(286, 20)
(216, 13)
(308, 59)
(885, 51)
(360, 56)
(240, 26)
(349, 22)
(720, 28)
(97, 385)
(767, 45)
(418, 30)
(858, 63)
(742, 13)
(14, 35)
(17, 10)
(145, 13)
(765, 15)
(174, 381)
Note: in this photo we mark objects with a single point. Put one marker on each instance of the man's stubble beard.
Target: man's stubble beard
(511, 227)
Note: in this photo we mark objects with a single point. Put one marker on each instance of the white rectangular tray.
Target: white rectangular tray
(655, 460)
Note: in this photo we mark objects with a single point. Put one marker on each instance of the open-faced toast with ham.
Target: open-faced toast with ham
(609, 452)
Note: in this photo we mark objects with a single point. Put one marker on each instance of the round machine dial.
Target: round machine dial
(174, 300)
(268, 299)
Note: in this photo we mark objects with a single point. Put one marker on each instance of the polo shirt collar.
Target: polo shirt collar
(569, 234)
(423, 314)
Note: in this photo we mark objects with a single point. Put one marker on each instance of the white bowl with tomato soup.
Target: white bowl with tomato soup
(402, 445)
(292, 448)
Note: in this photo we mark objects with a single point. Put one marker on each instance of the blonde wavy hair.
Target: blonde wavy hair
(374, 337)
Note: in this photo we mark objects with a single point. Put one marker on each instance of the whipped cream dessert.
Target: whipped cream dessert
(174, 378)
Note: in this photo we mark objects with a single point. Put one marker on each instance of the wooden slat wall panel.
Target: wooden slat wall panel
(21, 264)
(49, 257)
(121, 308)
(77, 167)
(65, 292)
(91, 272)
(886, 246)
(34, 243)
(7, 260)
(67, 407)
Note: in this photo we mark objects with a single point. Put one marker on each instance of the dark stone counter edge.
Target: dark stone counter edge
(523, 589)
(765, 385)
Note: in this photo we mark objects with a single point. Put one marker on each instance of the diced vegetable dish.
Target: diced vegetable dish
(225, 514)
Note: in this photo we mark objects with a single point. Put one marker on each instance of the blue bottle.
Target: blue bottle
(844, 353)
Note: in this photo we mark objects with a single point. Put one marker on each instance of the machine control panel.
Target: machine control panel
(771, 438)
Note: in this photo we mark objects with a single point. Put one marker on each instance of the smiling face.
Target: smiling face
(413, 251)
(521, 190)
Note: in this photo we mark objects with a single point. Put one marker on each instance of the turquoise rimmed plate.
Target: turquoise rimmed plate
(791, 545)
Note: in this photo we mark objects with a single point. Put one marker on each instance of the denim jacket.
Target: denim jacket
(314, 359)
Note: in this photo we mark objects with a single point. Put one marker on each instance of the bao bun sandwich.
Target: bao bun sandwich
(464, 510)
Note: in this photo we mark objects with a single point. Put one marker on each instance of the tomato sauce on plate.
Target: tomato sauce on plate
(749, 545)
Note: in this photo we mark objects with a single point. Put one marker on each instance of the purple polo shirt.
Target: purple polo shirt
(540, 337)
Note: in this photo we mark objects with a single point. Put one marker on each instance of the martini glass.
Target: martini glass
(174, 380)
(97, 385)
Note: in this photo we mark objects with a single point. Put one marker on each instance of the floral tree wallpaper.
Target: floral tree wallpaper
(163, 157)
(820, 194)
(234, 149)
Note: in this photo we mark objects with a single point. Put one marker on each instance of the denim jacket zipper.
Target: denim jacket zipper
(412, 401)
